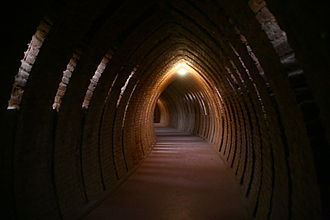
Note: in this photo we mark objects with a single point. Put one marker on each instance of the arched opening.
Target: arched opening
(157, 115)
(191, 104)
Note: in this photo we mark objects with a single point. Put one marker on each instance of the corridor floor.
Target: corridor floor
(182, 179)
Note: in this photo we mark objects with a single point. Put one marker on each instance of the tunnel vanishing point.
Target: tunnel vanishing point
(83, 82)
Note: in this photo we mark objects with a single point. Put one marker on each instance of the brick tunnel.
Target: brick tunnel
(91, 90)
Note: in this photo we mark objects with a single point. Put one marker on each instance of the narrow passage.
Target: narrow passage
(183, 179)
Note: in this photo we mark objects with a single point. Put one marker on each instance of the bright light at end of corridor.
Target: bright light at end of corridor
(182, 69)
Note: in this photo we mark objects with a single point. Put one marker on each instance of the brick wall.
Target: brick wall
(256, 90)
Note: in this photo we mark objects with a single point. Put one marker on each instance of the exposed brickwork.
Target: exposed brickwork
(65, 81)
(95, 79)
(27, 62)
(253, 90)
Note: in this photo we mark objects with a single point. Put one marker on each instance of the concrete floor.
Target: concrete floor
(183, 179)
